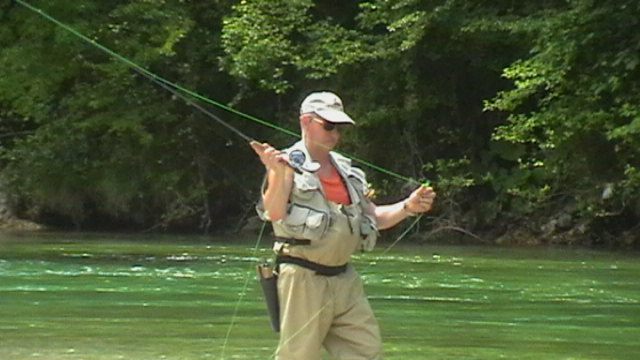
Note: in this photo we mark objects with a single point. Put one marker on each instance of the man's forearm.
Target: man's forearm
(276, 196)
(390, 215)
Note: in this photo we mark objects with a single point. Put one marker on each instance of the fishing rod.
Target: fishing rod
(197, 106)
(296, 159)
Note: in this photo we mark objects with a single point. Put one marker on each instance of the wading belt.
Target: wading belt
(293, 241)
(318, 268)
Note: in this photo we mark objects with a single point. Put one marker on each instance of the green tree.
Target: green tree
(575, 110)
(102, 141)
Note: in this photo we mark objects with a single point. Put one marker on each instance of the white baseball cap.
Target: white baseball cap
(326, 105)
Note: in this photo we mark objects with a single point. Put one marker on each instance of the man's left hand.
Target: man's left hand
(420, 200)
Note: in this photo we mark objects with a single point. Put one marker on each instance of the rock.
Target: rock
(5, 210)
(560, 222)
(8, 220)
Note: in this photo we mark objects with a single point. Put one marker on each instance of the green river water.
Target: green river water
(88, 296)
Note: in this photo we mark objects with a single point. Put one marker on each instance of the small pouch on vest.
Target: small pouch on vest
(306, 223)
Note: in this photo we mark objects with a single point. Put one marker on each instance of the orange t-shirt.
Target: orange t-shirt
(335, 189)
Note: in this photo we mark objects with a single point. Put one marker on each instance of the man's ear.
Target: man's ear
(305, 119)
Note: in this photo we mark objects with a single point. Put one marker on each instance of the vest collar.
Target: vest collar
(341, 162)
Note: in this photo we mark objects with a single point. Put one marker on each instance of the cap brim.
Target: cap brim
(335, 116)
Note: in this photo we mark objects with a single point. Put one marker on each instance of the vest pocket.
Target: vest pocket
(306, 187)
(306, 223)
(369, 233)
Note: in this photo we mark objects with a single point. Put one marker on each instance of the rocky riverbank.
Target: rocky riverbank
(19, 225)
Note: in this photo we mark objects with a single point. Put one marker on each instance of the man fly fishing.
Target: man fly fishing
(317, 204)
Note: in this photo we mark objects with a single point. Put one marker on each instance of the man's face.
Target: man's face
(323, 132)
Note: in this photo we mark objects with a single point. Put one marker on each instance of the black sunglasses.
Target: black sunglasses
(328, 126)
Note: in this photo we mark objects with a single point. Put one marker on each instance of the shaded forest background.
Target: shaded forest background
(525, 116)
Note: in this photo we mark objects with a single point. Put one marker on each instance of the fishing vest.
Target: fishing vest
(334, 231)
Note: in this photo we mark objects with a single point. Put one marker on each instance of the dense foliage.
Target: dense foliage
(525, 116)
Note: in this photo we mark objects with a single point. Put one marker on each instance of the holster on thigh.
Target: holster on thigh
(269, 283)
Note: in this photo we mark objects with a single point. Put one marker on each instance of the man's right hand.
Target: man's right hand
(272, 158)
(279, 179)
